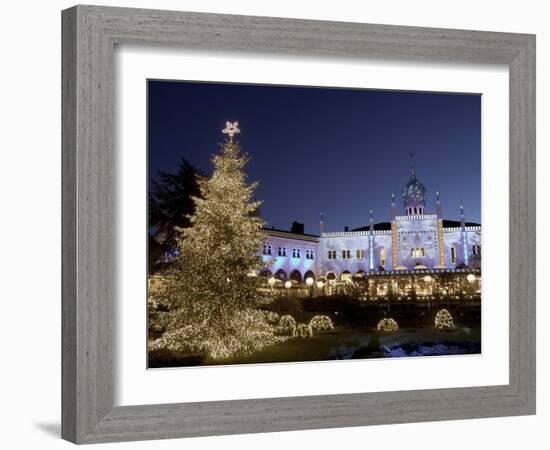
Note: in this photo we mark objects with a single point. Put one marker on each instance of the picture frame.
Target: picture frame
(89, 37)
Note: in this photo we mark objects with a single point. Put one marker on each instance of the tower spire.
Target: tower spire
(321, 223)
(414, 193)
(413, 169)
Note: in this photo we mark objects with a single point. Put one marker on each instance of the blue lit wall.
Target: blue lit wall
(413, 232)
(453, 238)
(417, 234)
(288, 263)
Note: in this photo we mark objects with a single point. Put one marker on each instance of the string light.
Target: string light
(388, 325)
(211, 291)
(443, 320)
(321, 323)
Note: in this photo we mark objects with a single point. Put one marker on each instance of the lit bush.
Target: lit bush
(443, 320)
(302, 330)
(388, 325)
(286, 327)
(287, 321)
(321, 323)
(271, 317)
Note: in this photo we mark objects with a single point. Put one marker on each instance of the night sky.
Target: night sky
(340, 151)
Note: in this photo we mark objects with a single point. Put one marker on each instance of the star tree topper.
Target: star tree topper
(231, 129)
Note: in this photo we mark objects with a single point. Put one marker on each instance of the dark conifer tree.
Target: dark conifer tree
(171, 202)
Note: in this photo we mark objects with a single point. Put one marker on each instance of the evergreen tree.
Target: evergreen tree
(212, 288)
(171, 202)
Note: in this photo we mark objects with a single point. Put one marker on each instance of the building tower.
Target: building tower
(414, 194)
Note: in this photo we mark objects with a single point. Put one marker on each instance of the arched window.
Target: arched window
(295, 275)
(309, 274)
(280, 275)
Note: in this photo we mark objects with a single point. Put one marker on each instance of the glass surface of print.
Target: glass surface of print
(229, 283)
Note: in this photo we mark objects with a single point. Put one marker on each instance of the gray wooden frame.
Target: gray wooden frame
(89, 36)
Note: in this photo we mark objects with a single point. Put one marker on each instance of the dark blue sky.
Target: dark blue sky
(340, 151)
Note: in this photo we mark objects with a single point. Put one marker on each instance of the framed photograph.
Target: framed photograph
(277, 224)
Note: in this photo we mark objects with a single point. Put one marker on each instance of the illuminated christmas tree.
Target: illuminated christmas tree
(213, 290)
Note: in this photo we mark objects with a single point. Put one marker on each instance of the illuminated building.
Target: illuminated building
(416, 241)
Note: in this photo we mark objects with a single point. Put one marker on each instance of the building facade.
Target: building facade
(415, 240)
